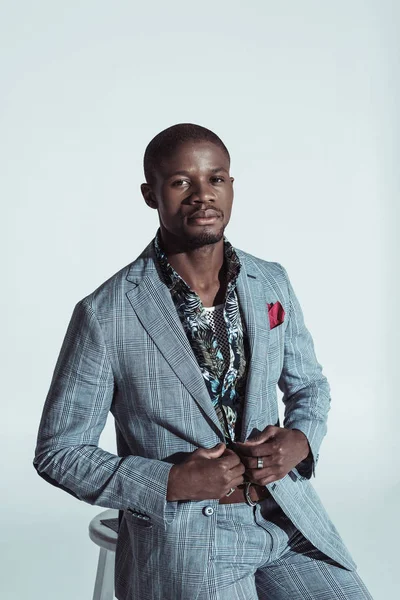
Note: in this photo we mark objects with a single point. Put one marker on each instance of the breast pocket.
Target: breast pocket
(275, 352)
(276, 342)
(276, 334)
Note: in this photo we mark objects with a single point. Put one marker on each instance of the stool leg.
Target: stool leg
(104, 584)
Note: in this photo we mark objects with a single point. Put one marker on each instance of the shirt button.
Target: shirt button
(208, 511)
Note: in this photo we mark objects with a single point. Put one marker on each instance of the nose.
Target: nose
(203, 191)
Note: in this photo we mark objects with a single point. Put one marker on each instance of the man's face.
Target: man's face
(195, 179)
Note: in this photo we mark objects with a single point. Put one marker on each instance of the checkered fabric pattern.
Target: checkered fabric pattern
(125, 351)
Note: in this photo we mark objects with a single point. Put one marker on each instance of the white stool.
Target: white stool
(106, 538)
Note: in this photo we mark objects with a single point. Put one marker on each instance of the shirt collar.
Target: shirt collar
(175, 281)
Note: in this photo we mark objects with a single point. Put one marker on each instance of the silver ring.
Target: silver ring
(230, 491)
(260, 462)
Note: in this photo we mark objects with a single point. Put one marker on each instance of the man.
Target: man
(185, 346)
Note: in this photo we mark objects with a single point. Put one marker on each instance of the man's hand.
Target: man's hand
(206, 473)
(281, 449)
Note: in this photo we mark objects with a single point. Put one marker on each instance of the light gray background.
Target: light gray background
(306, 96)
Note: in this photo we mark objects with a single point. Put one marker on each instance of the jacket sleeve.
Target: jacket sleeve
(306, 391)
(75, 413)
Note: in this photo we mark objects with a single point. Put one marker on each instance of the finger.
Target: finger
(229, 452)
(266, 480)
(264, 476)
(230, 459)
(259, 473)
(251, 462)
(215, 452)
(261, 450)
(274, 477)
(236, 481)
(237, 471)
(269, 432)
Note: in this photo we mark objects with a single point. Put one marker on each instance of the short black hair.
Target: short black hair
(167, 141)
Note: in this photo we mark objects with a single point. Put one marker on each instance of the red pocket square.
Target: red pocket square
(276, 314)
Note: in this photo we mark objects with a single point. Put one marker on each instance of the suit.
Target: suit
(125, 351)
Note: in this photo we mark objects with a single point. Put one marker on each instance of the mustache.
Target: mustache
(204, 213)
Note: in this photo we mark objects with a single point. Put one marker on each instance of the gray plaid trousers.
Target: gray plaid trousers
(258, 554)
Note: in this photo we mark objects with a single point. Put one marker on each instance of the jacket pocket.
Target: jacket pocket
(276, 333)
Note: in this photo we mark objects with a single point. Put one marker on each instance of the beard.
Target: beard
(204, 238)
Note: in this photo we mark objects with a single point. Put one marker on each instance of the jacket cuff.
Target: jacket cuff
(153, 500)
(314, 435)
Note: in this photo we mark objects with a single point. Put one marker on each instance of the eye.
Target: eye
(217, 179)
(180, 182)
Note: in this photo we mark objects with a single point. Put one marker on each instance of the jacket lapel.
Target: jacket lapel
(252, 297)
(152, 302)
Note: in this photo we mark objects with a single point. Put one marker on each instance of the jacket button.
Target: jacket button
(208, 511)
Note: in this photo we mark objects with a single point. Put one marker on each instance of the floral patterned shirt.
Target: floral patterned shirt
(226, 383)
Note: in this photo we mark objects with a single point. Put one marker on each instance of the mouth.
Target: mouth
(204, 217)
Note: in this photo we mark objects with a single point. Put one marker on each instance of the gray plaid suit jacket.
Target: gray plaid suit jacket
(125, 351)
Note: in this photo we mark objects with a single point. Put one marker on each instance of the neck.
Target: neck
(202, 268)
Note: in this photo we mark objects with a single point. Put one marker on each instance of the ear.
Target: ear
(148, 195)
